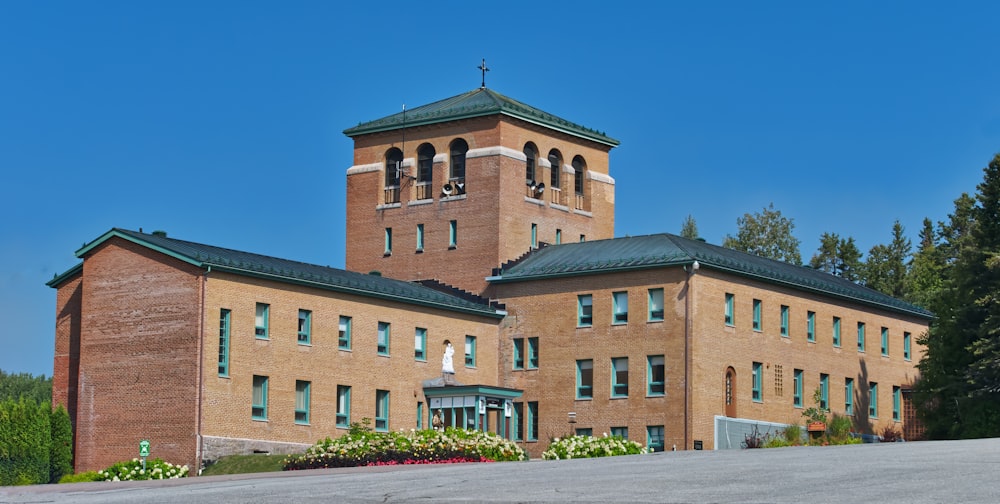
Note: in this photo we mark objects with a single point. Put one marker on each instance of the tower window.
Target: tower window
(457, 164)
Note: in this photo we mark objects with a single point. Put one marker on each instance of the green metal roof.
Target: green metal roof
(284, 270)
(477, 103)
(664, 250)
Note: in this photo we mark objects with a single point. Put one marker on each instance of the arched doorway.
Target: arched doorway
(731, 392)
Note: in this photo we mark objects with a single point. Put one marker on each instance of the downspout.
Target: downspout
(201, 368)
(687, 353)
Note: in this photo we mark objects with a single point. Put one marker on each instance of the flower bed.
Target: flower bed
(589, 447)
(132, 470)
(362, 447)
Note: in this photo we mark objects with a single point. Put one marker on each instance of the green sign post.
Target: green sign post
(144, 452)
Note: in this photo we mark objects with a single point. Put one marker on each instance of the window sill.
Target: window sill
(305, 344)
(619, 323)
(452, 247)
(655, 395)
(654, 321)
(304, 424)
(585, 398)
(420, 359)
(384, 355)
(261, 338)
(259, 420)
(419, 251)
(342, 349)
(386, 254)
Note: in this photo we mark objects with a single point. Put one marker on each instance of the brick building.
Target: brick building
(491, 223)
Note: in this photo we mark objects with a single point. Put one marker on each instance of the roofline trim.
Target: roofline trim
(62, 277)
(115, 232)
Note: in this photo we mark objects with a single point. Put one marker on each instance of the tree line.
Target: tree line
(36, 441)
(954, 272)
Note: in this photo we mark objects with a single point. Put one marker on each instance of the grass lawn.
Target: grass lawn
(239, 464)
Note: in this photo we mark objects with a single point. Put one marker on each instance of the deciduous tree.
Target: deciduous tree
(766, 234)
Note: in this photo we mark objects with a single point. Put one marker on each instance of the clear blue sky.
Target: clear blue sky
(220, 122)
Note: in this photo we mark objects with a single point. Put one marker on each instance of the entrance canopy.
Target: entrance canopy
(473, 407)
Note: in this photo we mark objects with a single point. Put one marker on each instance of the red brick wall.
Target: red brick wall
(138, 356)
(66, 365)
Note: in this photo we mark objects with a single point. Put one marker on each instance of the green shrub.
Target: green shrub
(83, 477)
(25, 441)
(570, 447)
(838, 429)
(793, 434)
(131, 470)
(61, 449)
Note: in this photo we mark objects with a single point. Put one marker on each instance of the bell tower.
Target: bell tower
(450, 190)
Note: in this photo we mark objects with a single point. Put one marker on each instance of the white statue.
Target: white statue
(447, 365)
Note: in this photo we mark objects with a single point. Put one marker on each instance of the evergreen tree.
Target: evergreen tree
(15, 386)
(886, 267)
(837, 256)
(689, 229)
(958, 394)
(766, 234)
(924, 279)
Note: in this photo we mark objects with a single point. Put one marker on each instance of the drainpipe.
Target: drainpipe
(201, 371)
(687, 353)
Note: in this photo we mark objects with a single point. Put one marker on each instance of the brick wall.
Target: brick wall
(66, 365)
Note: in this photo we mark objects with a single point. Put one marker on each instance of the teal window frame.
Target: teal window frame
(784, 320)
(518, 353)
(861, 337)
(534, 236)
(885, 341)
(343, 406)
(420, 344)
(302, 390)
(344, 333)
(452, 234)
(619, 377)
(558, 236)
(381, 410)
(261, 320)
(583, 238)
(225, 324)
(517, 421)
(258, 407)
(872, 400)
(585, 379)
(836, 332)
(305, 327)
(621, 432)
(584, 310)
(619, 307)
(585, 431)
(849, 396)
(758, 324)
(388, 242)
(824, 391)
(470, 351)
(420, 237)
(730, 309)
(906, 346)
(654, 438)
(420, 414)
(757, 393)
(897, 401)
(655, 375)
(655, 303)
(531, 422)
(811, 326)
(384, 338)
(533, 353)
(797, 394)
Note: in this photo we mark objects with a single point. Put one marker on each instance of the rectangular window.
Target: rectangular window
(259, 409)
(420, 415)
(452, 234)
(224, 318)
(558, 236)
(619, 377)
(383, 338)
(583, 238)
(343, 406)
(861, 336)
(824, 391)
(518, 353)
(848, 396)
(811, 326)
(305, 324)
(585, 379)
(517, 421)
(872, 400)
(655, 375)
(532, 421)
(470, 351)
(730, 309)
(420, 237)
(382, 410)
(420, 344)
(534, 236)
(260, 320)
(621, 432)
(757, 325)
(302, 402)
(655, 305)
(758, 380)
(836, 332)
(584, 310)
(585, 431)
(797, 397)
(388, 242)
(654, 438)
(620, 302)
(906, 345)
(533, 353)
(897, 399)
(784, 321)
(344, 334)
(885, 341)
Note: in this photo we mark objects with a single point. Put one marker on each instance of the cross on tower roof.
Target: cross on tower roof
(484, 69)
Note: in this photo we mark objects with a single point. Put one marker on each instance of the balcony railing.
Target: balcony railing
(578, 204)
(391, 195)
(424, 191)
(555, 195)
